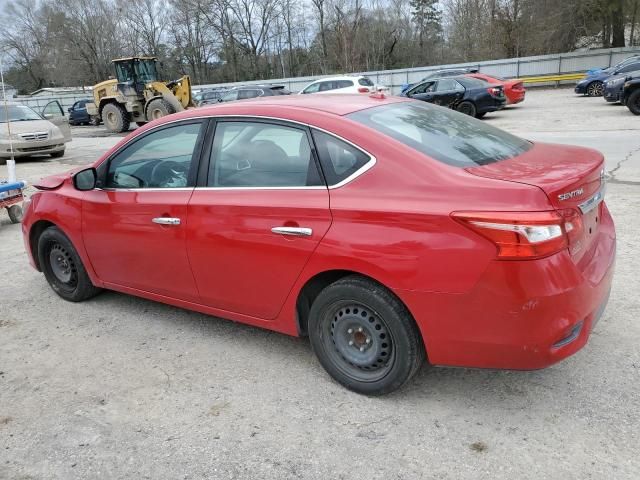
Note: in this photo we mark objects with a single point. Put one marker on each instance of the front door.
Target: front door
(261, 212)
(134, 226)
(448, 92)
(53, 112)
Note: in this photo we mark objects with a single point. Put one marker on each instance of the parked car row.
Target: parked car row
(620, 83)
(465, 90)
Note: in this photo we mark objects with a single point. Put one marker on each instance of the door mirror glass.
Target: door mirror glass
(85, 179)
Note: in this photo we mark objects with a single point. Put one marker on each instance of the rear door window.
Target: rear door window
(344, 84)
(448, 85)
(338, 158)
(261, 154)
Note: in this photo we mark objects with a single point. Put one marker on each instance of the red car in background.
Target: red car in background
(513, 89)
(387, 230)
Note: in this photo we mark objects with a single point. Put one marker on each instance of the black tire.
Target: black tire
(141, 124)
(57, 154)
(95, 121)
(159, 108)
(468, 108)
(633, 102)
(15, 213)
(3, 161)
(115, 118)
(595, 89)
(364, 337)
(63, 268)
(481, 115)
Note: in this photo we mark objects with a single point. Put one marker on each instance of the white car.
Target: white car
(343, 84)
(32, 133)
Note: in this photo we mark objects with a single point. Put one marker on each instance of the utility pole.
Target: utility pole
(11, 163)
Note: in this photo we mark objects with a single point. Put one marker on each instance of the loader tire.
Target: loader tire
(115, 118)
(159, 108)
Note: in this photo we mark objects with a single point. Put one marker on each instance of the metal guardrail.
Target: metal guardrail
(553, 78)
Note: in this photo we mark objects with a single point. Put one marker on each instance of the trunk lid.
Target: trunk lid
(572, 178)
(568, 175)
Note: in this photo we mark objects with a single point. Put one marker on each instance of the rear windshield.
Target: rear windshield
(443, 134)
(364, 81)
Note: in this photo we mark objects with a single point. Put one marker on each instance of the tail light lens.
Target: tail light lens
(518, 86)
(574, 228)
(519, 235)
(363, 90)
(495, 91)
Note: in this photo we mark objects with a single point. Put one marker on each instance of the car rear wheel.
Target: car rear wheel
(467, 108)
(57, 154)
(364, 337)
(633, 102)
(595, 89)
(63, 268)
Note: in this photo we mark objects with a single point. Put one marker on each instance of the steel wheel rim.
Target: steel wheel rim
(466, 109)
(358, 342)
(156, 113)
(62, 266)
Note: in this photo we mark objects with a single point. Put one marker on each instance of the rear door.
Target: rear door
(259, 212)
(448, 92)
(53, 112)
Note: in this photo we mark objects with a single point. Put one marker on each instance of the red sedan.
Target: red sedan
(385, 229)
(513, 89)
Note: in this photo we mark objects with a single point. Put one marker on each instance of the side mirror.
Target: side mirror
(220, 100)
(70, 109)
(85, 179)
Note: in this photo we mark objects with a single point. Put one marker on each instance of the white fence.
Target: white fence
(573, 62)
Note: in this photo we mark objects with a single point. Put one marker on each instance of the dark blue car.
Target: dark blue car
(614, 87)
(593, 84)
(78, 113)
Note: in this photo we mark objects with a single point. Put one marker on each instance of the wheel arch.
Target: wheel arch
(315, 284)
(104, 102)
(34, 235)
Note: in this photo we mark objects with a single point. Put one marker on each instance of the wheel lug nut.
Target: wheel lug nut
(368, 340)
(350, 342)
(362, 349)
(360, 329)
(350, 330)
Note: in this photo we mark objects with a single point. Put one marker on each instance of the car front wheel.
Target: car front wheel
(595, 89)
(633, 102)
(63, 268)
(364, 336)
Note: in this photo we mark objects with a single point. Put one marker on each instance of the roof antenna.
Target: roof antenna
(11, 163)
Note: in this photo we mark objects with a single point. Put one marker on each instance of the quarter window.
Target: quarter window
(256, 154)
(339, 159)
(161, 159)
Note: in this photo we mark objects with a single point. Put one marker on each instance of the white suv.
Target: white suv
(344, 84)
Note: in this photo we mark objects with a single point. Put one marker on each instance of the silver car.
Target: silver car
(32, 133)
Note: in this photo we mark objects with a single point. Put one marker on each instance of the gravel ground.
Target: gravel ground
(124, 388)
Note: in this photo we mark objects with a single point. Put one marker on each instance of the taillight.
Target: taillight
(519, 235)
(363, 90)
(518, 86)
(574, 228)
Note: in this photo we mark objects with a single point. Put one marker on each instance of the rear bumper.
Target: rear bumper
(521, 315)
(514, 97)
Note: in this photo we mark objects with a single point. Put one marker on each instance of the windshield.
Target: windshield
(146, 71)
(17, 113)
(442, 134)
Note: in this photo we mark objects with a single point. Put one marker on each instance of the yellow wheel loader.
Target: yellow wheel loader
(136, 95)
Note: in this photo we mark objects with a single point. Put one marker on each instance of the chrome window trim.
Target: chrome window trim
(366, 167)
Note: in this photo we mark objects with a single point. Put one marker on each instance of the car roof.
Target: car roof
(329, 103)
(340, 77)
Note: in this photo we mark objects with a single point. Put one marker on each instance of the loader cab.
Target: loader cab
(135, 73)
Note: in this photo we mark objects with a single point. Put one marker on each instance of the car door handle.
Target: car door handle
(166, 221)
(294, 231)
